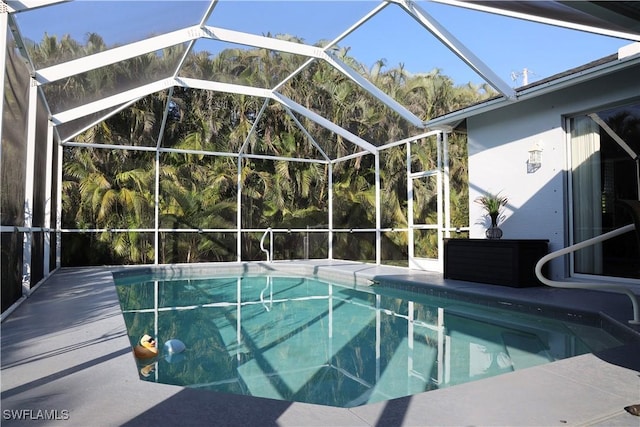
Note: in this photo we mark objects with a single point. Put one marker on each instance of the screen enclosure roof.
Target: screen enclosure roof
(102, 37)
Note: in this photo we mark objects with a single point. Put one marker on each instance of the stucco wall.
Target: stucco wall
(499, 142)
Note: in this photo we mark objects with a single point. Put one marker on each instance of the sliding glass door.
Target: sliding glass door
(604, 150)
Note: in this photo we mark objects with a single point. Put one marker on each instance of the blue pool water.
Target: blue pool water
(307, 340)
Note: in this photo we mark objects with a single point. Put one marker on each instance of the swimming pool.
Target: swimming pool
(332, 343)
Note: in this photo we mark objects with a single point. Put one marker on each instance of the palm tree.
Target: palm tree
(112, 191)
(115, 188)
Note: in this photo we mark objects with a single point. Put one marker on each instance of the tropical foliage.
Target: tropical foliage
(114, 189)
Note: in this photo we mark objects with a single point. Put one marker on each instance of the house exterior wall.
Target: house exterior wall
(499, 142)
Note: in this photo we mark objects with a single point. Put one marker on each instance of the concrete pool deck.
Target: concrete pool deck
(66, 355)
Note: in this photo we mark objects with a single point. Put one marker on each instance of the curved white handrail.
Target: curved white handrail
(584, 285)
(270, 251)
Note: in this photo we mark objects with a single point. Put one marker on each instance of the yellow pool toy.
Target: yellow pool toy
(146, 349)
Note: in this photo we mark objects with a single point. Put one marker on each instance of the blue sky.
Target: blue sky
(508, 46)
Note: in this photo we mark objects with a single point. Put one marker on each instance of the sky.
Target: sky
(506, 45)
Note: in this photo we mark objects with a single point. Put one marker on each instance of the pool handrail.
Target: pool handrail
(269, 252)
(613, 287)
(268, 285)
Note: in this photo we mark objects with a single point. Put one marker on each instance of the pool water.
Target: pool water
(307, 340)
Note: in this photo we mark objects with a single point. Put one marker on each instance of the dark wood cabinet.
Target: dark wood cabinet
(507, 262)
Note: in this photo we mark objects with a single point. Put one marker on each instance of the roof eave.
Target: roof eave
(552, 84)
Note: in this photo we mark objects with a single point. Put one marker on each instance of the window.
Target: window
(604, 149)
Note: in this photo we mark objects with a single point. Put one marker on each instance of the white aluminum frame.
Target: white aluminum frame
(29, 188)
(443, 215)
(191, 34)
(48, 201)
(22, 5)
(534, 18)
(459, 49)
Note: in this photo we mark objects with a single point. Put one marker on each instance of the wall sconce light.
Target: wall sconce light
(535, 158)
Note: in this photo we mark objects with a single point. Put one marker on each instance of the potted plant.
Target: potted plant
(493, 205)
